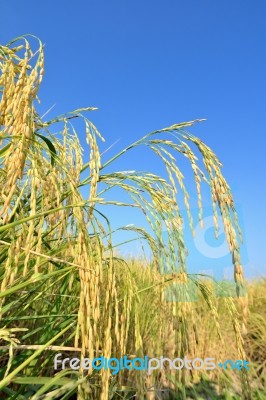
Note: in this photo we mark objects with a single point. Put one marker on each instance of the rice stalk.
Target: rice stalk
(46, 222)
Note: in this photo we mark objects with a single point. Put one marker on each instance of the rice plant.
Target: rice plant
(63, 288)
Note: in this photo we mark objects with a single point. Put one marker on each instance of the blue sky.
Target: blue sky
(149, 64)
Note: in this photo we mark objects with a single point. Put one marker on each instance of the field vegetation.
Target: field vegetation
(64, 287)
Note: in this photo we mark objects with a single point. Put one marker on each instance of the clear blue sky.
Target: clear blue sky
(147, 64)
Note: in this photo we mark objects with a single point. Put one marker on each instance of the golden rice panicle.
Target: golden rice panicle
(222, 200)
(20, 84)
(95, 162)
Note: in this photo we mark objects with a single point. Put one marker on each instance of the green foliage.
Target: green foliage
(62, 287)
